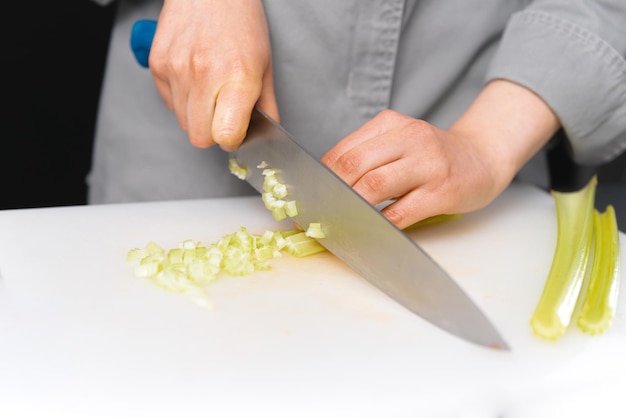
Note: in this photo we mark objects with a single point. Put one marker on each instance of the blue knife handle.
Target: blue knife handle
(141, 37)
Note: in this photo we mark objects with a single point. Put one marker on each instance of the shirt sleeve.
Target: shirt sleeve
(571, 53)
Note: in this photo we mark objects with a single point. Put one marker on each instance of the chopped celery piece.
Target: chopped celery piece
(136, 254)
(270, 181)
(279, 213)
(237, 169)
(574, 212)
(600, 302)
(279, 191)
(147, 269)
(154, 248)
(274, 193)
(202, 272)
(315, 230)
(269, 172)
(291, 209)
(301, 245)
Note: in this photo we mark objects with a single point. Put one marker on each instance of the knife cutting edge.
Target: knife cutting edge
(355, 231)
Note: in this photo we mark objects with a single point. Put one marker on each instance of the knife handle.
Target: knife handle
(141, 36)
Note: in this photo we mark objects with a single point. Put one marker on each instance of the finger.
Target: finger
(362, 134)
(199, 107)
(180, 99)
(233, 108)
(418, 204)
(371, 129)
(164, 89)
(159, 68)
(267, 100)
(367, 155)
(389, 181)
(174, 95)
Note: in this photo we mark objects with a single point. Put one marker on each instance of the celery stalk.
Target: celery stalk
(556, 305)
(436, 219)
(600, 302)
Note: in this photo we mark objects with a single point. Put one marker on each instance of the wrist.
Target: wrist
(506, 125)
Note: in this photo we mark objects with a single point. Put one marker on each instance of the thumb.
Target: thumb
(233, 107)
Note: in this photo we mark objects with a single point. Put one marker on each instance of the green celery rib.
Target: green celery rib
(434, 220)
(574, 237)
(599, 306)
(300, 245)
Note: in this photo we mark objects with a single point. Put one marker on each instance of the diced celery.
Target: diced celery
(279, 191)
(291, 209)
(300, 245)
(315, 230)
(147, 269)
(136, 254)
(154, 248)
(190, 266)
(238, 170)
(279, 214)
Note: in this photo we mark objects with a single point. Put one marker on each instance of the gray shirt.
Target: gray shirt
(339, 62)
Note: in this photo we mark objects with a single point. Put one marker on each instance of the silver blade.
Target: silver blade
(360, 236)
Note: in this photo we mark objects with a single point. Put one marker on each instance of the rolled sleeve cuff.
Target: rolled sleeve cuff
(578, 74)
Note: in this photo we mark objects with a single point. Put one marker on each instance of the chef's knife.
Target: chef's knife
(355, 231)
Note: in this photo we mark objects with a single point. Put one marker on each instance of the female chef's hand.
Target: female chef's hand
(211, 62)
(430, 171)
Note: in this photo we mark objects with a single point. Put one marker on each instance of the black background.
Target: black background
(53, 59)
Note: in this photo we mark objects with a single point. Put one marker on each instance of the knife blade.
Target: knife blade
(355, 231)
(359, 235)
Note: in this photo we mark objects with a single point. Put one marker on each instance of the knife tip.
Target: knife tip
(500, 344)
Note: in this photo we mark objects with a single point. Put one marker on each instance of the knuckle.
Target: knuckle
(348, 163)
(199, 64)
(386, 114)
(396, 214)
(374, 182)
(156, 62)
(422, 129)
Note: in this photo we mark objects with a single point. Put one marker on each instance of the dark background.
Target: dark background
(53, 60)
(53, 65)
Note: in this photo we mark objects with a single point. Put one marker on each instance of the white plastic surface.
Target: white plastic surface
(80, 336)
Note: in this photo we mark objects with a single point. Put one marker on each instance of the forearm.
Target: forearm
(506, 125)
(571, 52)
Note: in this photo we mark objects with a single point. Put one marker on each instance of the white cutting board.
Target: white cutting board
(80, 336)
